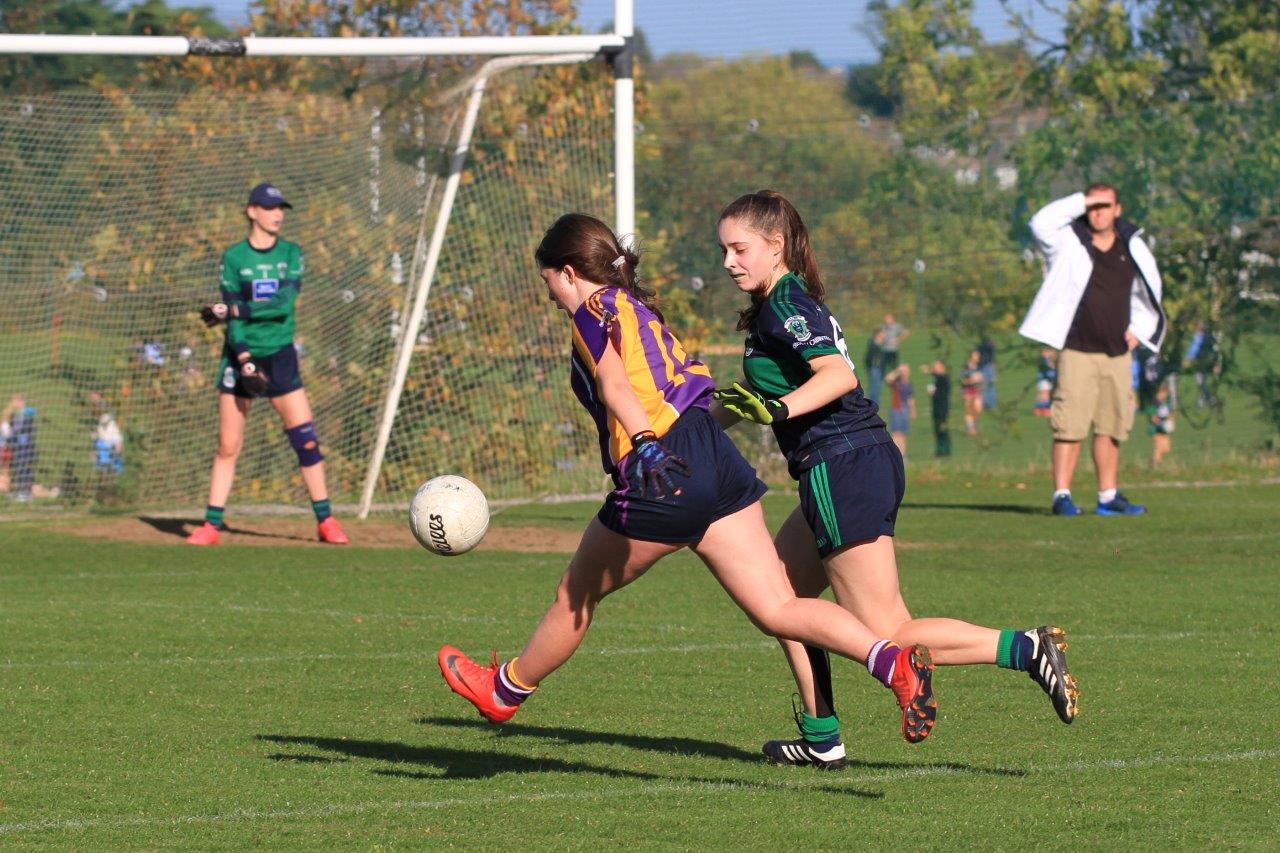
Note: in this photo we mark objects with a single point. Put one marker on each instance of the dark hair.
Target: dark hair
(591, 248)
(1099, 187)
(768, 212)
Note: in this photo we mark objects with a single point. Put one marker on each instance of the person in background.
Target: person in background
(894, 334)
(940, 404)
(108, 445)
(971, 389)
(902, 406)
(987, 363)
(1161, 426)
(1099, 300)
(21, 443)
(873, 361)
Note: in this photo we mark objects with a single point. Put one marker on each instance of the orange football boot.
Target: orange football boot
(475, 683)
(330, 531)
(912, 683)
(205, 534)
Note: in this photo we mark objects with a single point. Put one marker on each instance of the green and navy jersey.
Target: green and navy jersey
(790, 329)
(263, 284)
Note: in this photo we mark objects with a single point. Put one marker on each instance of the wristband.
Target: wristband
(781, 412)
(643, 436)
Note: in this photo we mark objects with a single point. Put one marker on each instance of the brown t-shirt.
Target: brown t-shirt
(1103, 315)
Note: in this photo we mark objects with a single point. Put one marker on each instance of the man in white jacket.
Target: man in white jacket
(1100, 299)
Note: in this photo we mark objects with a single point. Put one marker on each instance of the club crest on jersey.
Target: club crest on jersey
(798, 328)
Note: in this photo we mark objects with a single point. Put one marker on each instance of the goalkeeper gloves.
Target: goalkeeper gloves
(655, 464)
(747, 404)
(253, 378)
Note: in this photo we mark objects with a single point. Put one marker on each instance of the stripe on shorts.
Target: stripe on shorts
(826, 507)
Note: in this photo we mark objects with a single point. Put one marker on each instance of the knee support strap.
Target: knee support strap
(305, 443)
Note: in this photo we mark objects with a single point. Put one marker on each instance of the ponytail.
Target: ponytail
(591, 248)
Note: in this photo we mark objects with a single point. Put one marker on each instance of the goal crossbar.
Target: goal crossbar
(11, 43)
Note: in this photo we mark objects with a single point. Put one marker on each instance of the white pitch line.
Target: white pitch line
(487, 801)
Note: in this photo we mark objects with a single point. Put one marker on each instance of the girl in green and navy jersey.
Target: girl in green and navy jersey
(801, 381)
(261, 279)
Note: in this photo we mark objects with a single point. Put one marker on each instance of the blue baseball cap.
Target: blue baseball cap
(266, 195)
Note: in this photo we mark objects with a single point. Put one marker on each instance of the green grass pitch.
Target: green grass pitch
(156, 696)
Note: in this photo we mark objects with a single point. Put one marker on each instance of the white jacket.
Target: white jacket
(1060, 230)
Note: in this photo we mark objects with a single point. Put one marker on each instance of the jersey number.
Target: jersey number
(838, 334)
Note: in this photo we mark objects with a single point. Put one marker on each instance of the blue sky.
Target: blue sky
(831, 29)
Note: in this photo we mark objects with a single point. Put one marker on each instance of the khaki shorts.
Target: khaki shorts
(1094, 389)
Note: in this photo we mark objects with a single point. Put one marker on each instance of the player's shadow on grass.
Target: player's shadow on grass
(453, 763)
(692, 746)
(1015, 509)
(179, 528)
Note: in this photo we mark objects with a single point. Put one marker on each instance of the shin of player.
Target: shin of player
(679, 481)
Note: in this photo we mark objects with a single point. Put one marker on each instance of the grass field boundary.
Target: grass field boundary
(489, 802)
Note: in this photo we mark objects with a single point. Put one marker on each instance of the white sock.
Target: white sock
(1062, 493)
(1106, 496)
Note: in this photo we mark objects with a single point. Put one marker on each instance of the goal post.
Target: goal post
(427, 311)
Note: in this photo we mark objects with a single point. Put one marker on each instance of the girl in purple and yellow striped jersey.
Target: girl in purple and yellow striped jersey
(678, 481)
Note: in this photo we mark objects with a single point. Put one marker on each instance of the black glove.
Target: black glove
(655, 464)
(253, 378)
(214, 314)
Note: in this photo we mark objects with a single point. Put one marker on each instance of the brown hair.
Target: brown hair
(768, 212)
(1099, 187)
(591, 248)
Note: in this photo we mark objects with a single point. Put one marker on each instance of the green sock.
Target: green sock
(819, 729)
(1014, 650)
(321, 509)
(213, 515)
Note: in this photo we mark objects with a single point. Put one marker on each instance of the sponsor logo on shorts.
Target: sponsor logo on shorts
(798, 328)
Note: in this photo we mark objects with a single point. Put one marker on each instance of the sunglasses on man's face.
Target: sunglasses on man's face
(1102, 205)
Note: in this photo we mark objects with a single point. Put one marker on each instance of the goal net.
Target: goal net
(117, 207)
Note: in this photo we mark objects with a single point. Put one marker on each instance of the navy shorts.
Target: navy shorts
(853, 497)
(281, 368)
(720, 482)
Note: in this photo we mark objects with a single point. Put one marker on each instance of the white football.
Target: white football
(449, 515)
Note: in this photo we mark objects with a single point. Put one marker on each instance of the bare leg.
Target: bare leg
(1106, 461)
(1065, 456)
(232, 411)
(739, 553)
(865, 580)
(808, 578)
(605, 562)
(295, 409)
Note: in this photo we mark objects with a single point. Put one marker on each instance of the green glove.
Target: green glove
(749, 405)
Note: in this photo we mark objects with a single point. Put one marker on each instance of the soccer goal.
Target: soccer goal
(425, 343)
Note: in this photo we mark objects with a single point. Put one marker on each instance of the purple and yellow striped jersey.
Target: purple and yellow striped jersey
(665, 379)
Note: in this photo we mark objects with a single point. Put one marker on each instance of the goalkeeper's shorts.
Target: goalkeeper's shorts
(720, 482)
(281, 368)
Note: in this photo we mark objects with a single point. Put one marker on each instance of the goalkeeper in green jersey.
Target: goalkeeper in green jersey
(261, 278)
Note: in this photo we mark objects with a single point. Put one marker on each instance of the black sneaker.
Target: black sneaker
(801, 753)
(1049, 670)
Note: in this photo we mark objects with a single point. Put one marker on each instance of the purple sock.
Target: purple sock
(880, 661)
(505, 688)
